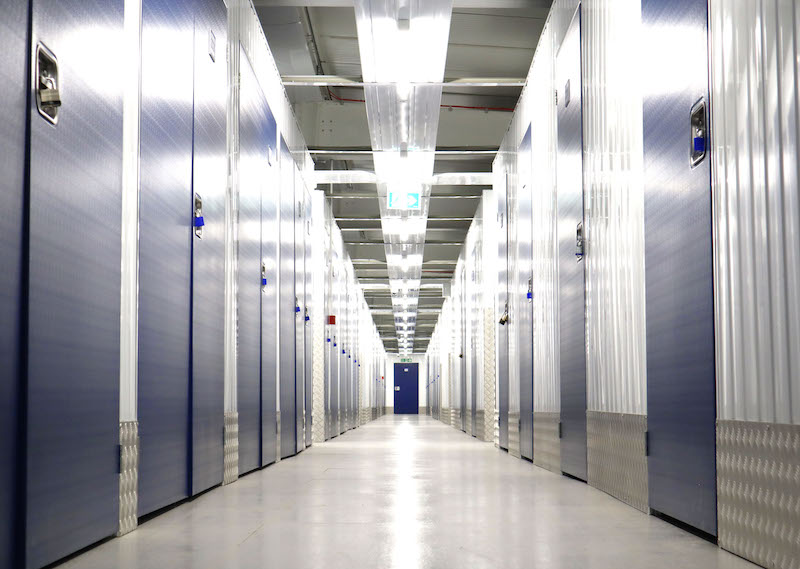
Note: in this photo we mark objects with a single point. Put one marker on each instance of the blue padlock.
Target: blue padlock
(297, 309)
(329, 340)
(263, 282)
(198, 221)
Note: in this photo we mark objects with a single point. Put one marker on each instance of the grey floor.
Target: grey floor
(406, 492)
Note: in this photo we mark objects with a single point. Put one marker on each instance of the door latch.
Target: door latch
(530, 289)
(504, 317)
(199, 222)
(699, 133)
(579, 242)
(48, 94)
(263, 277)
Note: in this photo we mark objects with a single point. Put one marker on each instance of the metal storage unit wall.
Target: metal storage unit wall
(756, 235)
(270, 317)
(300, 307)
(308, 317)
(71, 488)
(13, 114)
(544, 268)
(254, 143)
(287, 309)
(614, 223)
(165, 239)
(570, 223)
(501, 307)
(681, 395)
(209, 180)
(514, 304)
(523, 295)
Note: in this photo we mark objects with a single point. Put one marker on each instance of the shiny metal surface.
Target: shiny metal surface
(546, 440)
(128, 476)
(501, 306)
(681, 392)
(71, 486)
(617, 456)
(209, 180)
(756, 209)
(524, 286)
(395, 479)
(14, 59)
(571, 273)
(309, 317)
(270, 319)
(231, 448)
(759, 514)
(614, 207)
(286, 311)
(165, 241)
(300, 303)
(254, 142)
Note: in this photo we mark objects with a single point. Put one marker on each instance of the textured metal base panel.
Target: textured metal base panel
(480, 426)
(128, 477)
(489, 379)
(546, 443)
(231, 473)
(455, 418)
(513, 435)
(616, 456)
(278, 436)
(468, 423)
(423, 410)
(758, 501)
(365, 416)
(496, 428)
(445, 416)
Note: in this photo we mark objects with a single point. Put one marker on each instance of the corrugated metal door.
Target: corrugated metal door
(209, 180)
(524, 297)
(269, 297)
(681, 404)
(571, 279)
(165, 234)
(14, 60)
(254, 142)
(286, 312)
(72, 486)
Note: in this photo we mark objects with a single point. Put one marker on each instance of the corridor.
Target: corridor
(405, 492)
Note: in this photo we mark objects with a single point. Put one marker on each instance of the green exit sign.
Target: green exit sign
(405, 360)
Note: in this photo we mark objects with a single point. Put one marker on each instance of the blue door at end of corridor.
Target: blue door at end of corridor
(406, 389)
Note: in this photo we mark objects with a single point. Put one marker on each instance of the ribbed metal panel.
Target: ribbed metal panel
(128, 476)
(759, 485)
(614, 207)
(755, 70)
(231, 448)
(617, 447)
(489, 379)
(546, 440)
(513, 434)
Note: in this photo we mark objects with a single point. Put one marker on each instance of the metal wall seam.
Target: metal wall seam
(756, 211)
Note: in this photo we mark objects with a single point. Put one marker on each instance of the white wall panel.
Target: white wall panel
(614, 206)
(755, 72)
(546, 392)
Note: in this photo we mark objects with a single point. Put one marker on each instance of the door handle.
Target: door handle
(579, 242)
(698, 133)
(48, 94)
(199, 222)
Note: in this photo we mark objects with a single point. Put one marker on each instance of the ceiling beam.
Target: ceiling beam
(494, 4)
(345, 81)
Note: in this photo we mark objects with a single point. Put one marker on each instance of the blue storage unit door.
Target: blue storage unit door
(14, 62)
(72, 482)
(681, 408)
(253, 169)
(524, 300)
(209, 180)
(406, 389)
(165, 252)
(288, 305)
(571, 278)
(502, 313)
(270, 199)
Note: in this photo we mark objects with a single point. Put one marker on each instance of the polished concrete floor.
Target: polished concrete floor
(406, 492)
